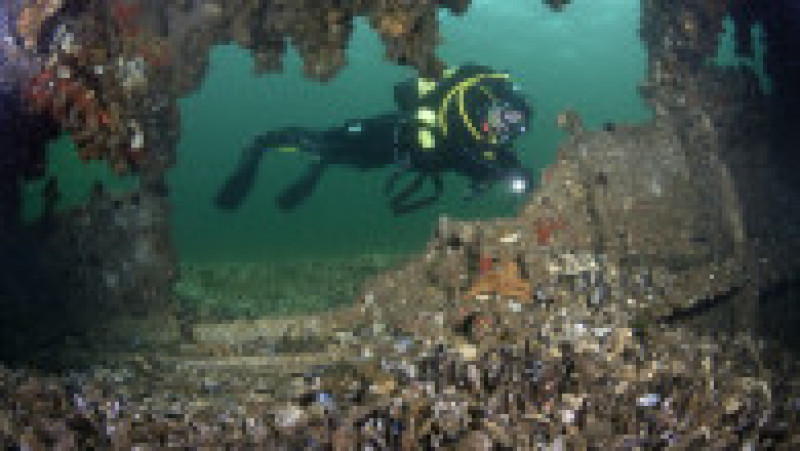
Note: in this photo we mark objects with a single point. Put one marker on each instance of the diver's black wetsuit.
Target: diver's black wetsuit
(366, 144)
(385, 140)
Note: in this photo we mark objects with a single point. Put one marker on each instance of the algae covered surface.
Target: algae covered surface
(225, 291)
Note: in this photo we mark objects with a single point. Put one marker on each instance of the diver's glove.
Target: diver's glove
(240, 183)
(515, 181)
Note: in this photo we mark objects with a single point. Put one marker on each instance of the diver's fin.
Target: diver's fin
(240, 183)
(299, 191)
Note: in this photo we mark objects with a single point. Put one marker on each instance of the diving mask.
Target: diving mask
(504, 121)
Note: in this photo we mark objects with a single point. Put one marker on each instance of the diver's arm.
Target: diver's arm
(301, 189)
(402, 202)
(506, 168)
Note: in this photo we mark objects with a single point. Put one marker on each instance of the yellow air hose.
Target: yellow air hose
(460, 89)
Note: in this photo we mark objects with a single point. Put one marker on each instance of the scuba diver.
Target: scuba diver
(465, 122)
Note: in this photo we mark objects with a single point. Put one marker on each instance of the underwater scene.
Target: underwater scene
(399, 224)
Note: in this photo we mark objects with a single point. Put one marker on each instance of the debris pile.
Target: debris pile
(559, 358)
(544, 330)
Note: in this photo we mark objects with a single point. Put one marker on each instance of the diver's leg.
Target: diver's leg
(362, 143)
(289, 139)
(238, 186)
(302, 188)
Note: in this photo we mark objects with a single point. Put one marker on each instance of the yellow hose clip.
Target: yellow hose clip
(426, 139)
(426, 116)
(424, 86)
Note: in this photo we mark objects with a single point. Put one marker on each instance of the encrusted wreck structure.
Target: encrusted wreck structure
(568, 325)
(109, 74)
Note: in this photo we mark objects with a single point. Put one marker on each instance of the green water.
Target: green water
(75, 179)
(726, 54)
(588, 58)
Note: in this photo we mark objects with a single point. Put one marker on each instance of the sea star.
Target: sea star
(504, 281)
